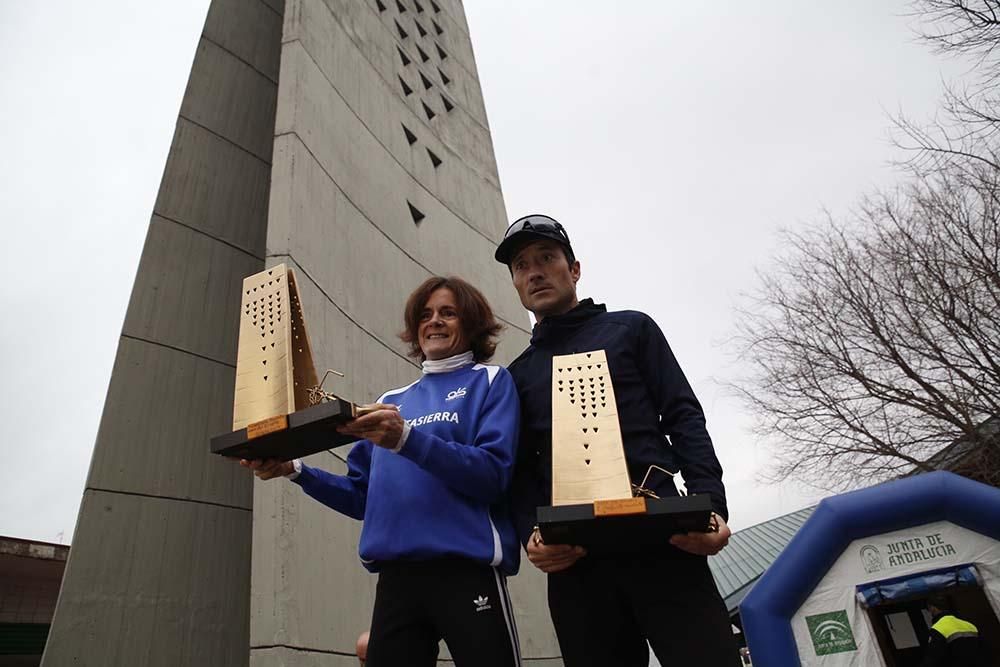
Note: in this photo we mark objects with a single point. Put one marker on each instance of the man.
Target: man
(953, 642)
(604, 609)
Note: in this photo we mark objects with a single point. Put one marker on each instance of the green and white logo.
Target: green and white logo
(831, 633)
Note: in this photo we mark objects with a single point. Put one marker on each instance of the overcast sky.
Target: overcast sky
(672, 139)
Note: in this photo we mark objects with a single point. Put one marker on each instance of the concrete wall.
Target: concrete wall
(159, 573)
(345, 175)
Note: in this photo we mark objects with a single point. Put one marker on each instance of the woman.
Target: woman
(430, 480)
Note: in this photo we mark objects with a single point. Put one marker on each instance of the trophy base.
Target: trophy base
(627, 525)
(301, 433)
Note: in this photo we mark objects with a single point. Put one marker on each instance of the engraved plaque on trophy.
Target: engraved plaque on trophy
(279, 408)
(594, 502)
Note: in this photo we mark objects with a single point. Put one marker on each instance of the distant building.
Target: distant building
(30, 573)
(976, 458)
(749, 553)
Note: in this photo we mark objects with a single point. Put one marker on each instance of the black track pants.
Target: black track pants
(604, 611)
(465, 603)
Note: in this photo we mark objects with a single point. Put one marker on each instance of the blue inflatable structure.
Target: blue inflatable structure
(938, 496)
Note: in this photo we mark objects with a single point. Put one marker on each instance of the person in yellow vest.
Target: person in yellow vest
(953, 642)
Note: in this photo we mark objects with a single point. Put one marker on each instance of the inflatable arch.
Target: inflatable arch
(867, 548)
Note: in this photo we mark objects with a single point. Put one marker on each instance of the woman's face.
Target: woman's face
(440, 330)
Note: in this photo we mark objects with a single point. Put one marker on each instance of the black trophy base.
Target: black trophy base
(308, 431)
(651, 529)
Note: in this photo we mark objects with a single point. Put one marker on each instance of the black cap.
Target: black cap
(531, 228)
(940, 600)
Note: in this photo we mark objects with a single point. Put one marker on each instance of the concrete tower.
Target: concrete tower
(347, 139)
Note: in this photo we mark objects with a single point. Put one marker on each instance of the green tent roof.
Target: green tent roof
(751, 551)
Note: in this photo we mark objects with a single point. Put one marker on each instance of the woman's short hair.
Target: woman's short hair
(479, 327)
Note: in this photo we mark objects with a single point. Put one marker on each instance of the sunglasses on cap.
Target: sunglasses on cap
(536, 223)
(530, 226)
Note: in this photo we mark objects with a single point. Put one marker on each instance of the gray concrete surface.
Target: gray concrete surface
(290, 148)
(153, 581)
(159, 572)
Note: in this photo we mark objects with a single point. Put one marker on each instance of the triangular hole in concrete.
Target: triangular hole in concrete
(415, 214)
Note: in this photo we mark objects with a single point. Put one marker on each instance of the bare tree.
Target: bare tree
(875, 342)
(964, 27)
(968, 125)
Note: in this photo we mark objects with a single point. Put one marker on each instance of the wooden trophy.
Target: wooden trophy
(280, 410)
(594, 503)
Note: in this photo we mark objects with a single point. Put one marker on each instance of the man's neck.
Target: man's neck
(562, 311)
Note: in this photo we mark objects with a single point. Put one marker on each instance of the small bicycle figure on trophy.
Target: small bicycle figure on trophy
(318, 395)
(641, 491)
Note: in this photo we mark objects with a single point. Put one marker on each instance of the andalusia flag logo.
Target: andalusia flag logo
(831, 633)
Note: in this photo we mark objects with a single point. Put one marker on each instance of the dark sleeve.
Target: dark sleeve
(936, 654)
(525, 494)
(681, 417)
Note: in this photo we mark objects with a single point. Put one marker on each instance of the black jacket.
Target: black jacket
(662, 422)
(954, 643)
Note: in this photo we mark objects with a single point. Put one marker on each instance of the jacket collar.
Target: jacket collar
(560, 326)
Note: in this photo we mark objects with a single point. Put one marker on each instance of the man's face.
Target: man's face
(543, 278)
